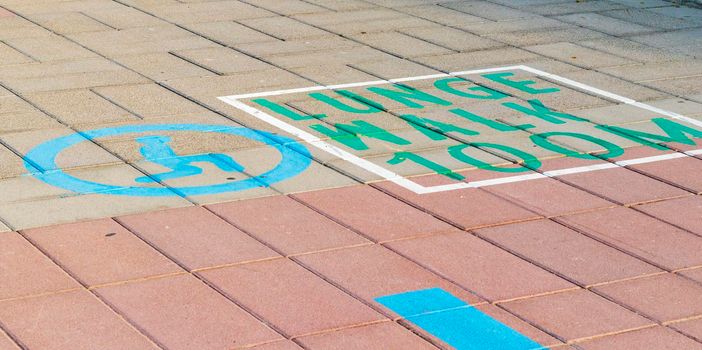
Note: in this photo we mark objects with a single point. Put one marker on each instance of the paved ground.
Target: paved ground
(357, 174)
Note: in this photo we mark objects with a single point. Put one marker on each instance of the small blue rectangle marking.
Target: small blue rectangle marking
(456, 323)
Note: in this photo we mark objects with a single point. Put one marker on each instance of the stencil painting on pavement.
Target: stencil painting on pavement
(350, 175)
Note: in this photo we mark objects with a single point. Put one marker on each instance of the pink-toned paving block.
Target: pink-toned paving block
(359, 271)
(24, 270)
(664, 297)
(683, 212)
(640, 235)
(196, 238)
(287, 225)
(548, 197)
(6, 343)
(567, 252)
(693, 274)
(468, 208)
(692, 328)
(181, 312)
(659, 338)
(5, 13)
(682, 172)
(576, 314)
(72, 321)
(479, 266)
(101, 251)
(293, 299)
(389, 334)
(278, 345)
(374, 213)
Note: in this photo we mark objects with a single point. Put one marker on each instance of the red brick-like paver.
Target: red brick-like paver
(650, 338)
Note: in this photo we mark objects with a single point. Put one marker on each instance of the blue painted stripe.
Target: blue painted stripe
(456, 323)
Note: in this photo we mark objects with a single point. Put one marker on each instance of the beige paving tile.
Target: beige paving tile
(224, 60)
(50, 48)
(77, 107)
(149, 100)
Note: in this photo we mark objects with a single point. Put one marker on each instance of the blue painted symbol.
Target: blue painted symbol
(295, 158)
(156, 150)
(456, 323)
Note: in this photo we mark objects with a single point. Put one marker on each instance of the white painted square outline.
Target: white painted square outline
(234, 100)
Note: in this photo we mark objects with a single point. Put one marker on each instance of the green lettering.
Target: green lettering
(437, 168)
(488, 93)
(428, 127)
(407, 95)
(529, 161)
(542, 112)
(348, 134)
(368, 105)
(543, 141)
(675, 132)
(522, 85)
(285, 111)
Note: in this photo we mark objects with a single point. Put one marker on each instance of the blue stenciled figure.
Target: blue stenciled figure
(156, 150)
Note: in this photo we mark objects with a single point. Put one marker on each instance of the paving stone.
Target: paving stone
(196, 238)
(373, 213)
(17, 27)
(656, 71)
(649, 18)
(73, 320)
(49, 48)
(213, 11)
(576, 314)
(695, 274)
(401, 44)
(632, 50)
(6, 343)
(10, 56)
(529, 23)
(574, 7)
(664, 297)
(618, 86)
(655, 337)
(79, 107)
(567, 252)
(12, 164)
(124, 17)
(75, 81)
(686, 13)
(342, 6)
(224, 60)
(640, 235)
(333, 56)
(230, 33)
(478, 59)
(692, 328)
(284, 27)
(679, 171)
(290, 7)
(579, 55)
(181, 312)
(605, 24)
(453, 39)
(272, 48)
(356, 270)
(477, 265)
(680, 212)
(545, 36)
(279, 345)
(162, 66)
(247, 82)
(149, 100)
(71, 22)
(494, 12)
(26, 271)
(115, 253)
(287, 225)
(389, 334)
(290, 297)
(678, 87)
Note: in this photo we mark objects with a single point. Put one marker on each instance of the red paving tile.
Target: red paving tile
(623, 186)
(6, 343)
(683, 172)
(72, 321)
(519, 325)
(640, 235)
(694, 274)
(663, 297)
(24, 270)
(682, 212)
(357, 270)
(389, 334)
(480, 266)
(692, 328)
(181, 312)
(102, 251)
(567, 252)
(467, 208)
(373, 213)
(287, 225)
(290, 297)
(196, 238)
(548, 197)
(659, 338)
(576, 314)
(279, 345)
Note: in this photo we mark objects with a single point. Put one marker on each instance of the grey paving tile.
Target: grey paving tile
(605, 24)
(453, 39)
(162, 66)
(646, 17)
(578, 55)
(688, 42)
(77, 107)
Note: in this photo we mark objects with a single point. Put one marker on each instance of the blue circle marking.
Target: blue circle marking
(295, 159)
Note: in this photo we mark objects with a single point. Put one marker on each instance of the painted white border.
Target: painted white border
(235, 101)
